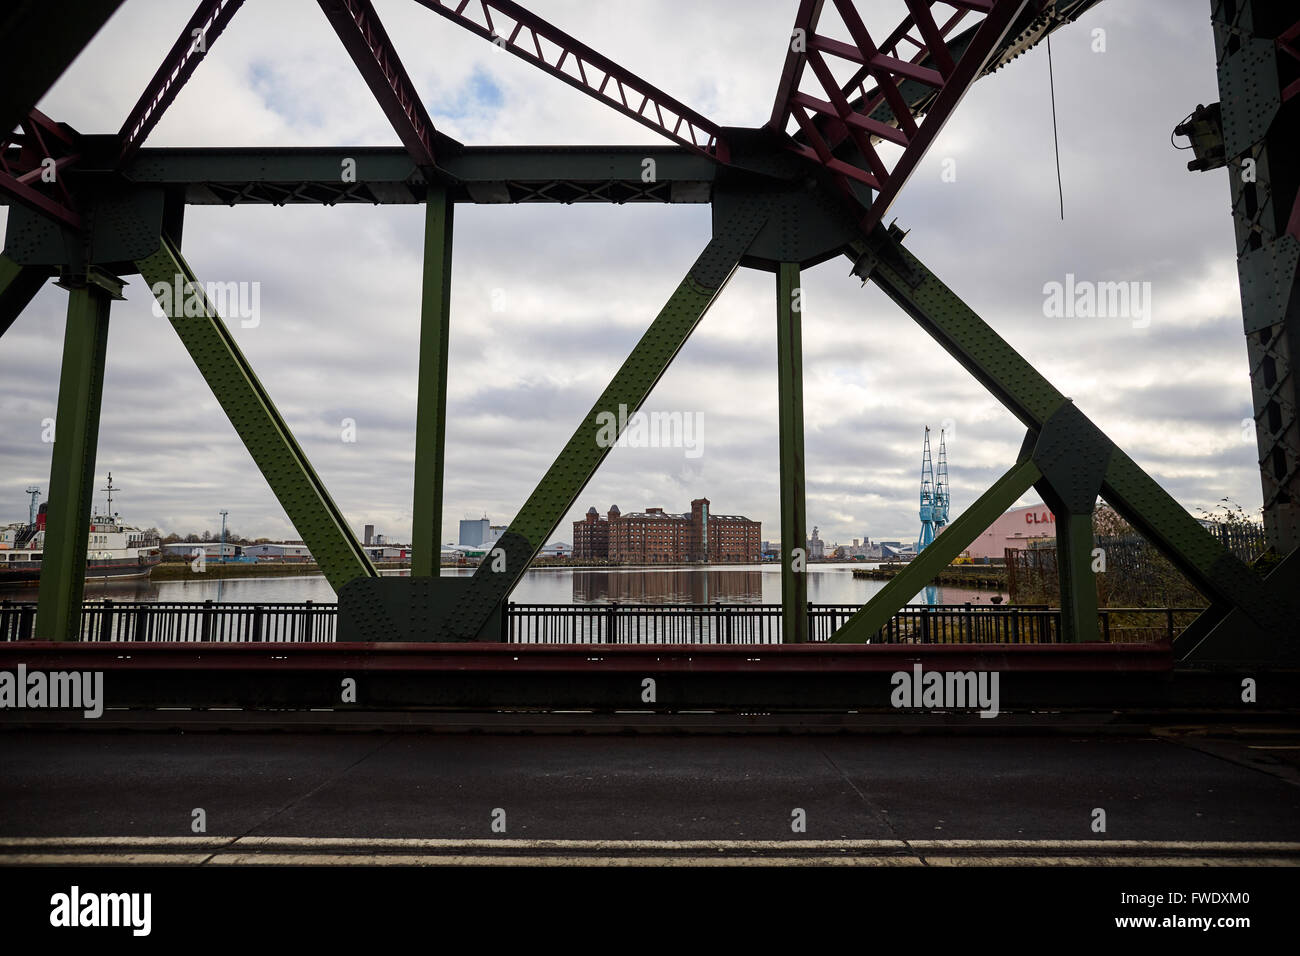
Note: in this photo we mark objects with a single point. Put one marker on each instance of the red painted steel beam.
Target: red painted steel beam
(852, 119)
(966, 71)
(839, 108)
(805, 28)
(820, 152)
(826, 124)
(796, 57)
(44, 149)
(528, 36)
(367, 42)
(839, 113)
(871, 101)
(476, 657)
(34, 199)
(1289, 42)
(202, 30)
(47, 129)
(881, 64)
(929, 30)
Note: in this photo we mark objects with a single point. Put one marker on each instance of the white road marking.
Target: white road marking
(505, 843)
(1203, 845)
(1110, 861)
(103, 859)
(198, 842)
(553, 860)
(598, 845)
(406, 859)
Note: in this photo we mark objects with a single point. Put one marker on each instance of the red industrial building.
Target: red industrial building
(1016, 528)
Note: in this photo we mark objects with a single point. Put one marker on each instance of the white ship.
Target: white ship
(113, 549)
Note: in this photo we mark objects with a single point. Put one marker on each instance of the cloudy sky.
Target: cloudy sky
(575, 286)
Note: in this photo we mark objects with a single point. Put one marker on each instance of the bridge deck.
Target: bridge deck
(297, 794)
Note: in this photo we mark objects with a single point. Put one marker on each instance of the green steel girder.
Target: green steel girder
(431, 396)
(1073, 453)
(72, 465)
(501, 570)
(951, 323)
(1214, 571)
(479, 174)
(255, 418)
(1227, 636)
(1078, 583)
(789, 363)
(122, 223)
(18, 286)
(921, 570)
(388, 176)
(1031, 398)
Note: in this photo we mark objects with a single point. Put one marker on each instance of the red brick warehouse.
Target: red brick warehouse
(655, 537)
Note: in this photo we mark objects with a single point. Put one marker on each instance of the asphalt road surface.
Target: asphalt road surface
(1220, 794)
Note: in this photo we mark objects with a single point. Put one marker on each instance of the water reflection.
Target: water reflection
(748, 584)
(680, 586)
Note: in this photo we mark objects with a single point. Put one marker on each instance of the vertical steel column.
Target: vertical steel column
(1078, 583)
(431, 399)
(1262, 150)
(789, 363)
(72, 468)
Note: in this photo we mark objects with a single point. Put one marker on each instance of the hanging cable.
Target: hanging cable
(1174, 132)
(1056, 142)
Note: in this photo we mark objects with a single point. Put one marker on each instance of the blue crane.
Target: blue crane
(941, 487)
(928, 497)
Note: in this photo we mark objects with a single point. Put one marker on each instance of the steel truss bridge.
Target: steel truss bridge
(812, 184)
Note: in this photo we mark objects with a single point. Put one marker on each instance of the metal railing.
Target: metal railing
(203, 621)
(309, 622)
(761, 624)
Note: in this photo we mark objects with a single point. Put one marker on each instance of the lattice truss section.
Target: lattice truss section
(531, 38)
(847, 97)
